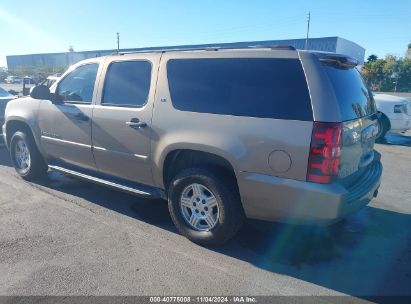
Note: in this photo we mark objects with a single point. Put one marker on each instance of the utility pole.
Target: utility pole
(396, 82)
(308, 29)
(118, 42)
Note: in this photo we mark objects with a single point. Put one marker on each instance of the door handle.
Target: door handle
(135, 123)
(81, 117)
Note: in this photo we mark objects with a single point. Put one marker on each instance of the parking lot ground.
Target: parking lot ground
(62, 236)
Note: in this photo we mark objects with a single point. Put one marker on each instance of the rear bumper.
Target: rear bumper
(284, 200)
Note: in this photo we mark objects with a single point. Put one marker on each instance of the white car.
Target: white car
(13, 79)
(395, 114)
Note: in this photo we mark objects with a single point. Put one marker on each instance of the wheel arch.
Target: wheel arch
(16, 124)
(178, 159)
(387, 119)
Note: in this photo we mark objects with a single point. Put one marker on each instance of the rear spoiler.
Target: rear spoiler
(339, 61)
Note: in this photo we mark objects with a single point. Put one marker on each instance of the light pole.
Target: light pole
(308, 29)
(395, 76)
(118, 43)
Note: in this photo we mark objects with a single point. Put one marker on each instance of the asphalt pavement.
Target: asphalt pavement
(62, 236)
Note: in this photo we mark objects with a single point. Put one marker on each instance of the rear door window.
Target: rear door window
(254, 87)
(353, 96)
(127, 84)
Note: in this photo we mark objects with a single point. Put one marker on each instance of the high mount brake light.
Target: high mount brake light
(325, 152)
(339, 61)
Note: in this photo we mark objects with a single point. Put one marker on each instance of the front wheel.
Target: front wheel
(25, 156)
(204, 207)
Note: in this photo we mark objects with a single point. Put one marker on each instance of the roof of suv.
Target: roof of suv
(281, 51)
(341, 59)
(217, 48)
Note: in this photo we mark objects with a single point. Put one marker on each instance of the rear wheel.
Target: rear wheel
(383, 127)
(25, 156)
(204, 207)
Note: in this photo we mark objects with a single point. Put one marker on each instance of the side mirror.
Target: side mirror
(40, 92)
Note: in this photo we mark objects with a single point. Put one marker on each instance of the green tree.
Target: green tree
(388, 74)
(3, 74)
(391, 70)
(373, 72)
(404, 76)
(408, 52)
(372, 58)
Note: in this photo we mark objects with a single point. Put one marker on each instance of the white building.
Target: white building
(327, 44)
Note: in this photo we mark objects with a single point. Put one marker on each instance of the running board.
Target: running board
(147, 193)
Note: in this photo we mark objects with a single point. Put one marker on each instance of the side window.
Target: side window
(127, 83)
(253, 87)
(78, 86)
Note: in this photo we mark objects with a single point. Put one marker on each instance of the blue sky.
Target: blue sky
(381, 26)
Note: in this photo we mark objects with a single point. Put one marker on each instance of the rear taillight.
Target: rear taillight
(325, 152)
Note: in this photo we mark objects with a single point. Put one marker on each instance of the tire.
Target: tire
(384, 126)
(23, 147)
(225, 212)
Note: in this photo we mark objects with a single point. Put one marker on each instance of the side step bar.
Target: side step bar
(149, 193)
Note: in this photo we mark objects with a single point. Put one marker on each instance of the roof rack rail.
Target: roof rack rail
(208, 48)
(274, 47)
(171, 49)
(283, 47)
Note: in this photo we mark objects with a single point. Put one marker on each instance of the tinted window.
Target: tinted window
(353, 96)
(268, 88)
(78, 86)
(127, 83)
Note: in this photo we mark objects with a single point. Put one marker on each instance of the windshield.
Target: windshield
(353, 95)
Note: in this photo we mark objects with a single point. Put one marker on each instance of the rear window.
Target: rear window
(255, 87)
(354, 97)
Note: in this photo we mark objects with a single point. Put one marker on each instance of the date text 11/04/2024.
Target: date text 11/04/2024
(239, 299)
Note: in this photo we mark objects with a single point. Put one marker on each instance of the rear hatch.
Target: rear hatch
(357, 110)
